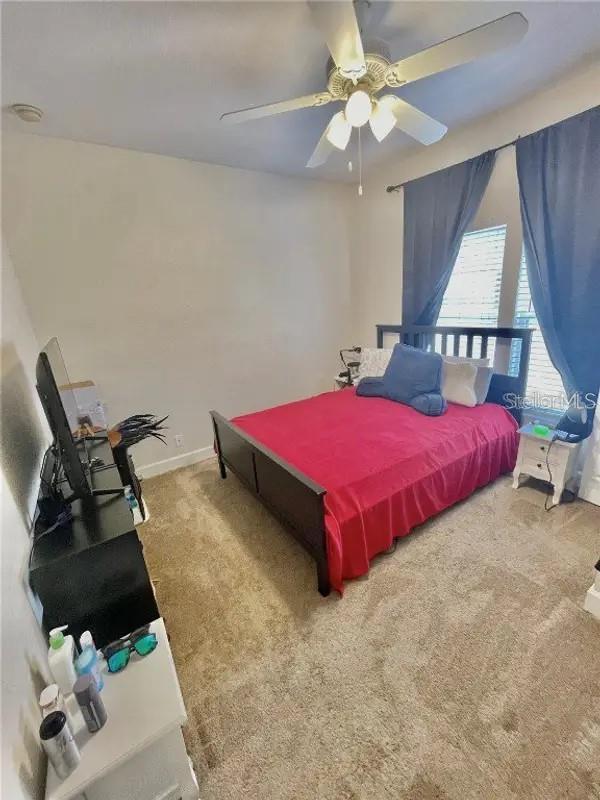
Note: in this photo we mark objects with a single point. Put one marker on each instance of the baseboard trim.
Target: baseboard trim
(592, 601)
(591, 492)
(175, 462)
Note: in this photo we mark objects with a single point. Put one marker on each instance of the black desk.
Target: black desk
(92, 575)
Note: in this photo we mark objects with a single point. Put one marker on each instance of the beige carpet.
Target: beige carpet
(462, 667)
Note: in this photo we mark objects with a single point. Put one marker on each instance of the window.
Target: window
(473, 293)
(544, 384)
(473, 298)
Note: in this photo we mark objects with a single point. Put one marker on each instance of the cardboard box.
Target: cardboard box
(90, 409)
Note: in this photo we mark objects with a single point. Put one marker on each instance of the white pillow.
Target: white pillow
(373, 362)
(477, 362)
(484, 374)
(482, 383)
(458, 383)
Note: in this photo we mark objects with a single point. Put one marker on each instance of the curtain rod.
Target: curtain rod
(399, 186)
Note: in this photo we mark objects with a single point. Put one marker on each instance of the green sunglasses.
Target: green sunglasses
(140, 641)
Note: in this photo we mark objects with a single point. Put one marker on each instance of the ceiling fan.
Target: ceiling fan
(357, 77)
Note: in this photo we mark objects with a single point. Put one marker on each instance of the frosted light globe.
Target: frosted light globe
(358, 108)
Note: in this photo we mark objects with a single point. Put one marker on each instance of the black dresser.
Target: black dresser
(91, 575)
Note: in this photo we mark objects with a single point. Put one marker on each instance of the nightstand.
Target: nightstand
(553, 461)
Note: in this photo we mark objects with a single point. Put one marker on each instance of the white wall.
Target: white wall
(24, 438)
(377, 227)
(179, 286)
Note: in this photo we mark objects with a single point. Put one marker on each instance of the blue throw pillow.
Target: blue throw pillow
(370, 387)
(431, 403)
(412, 377)
(411, 372)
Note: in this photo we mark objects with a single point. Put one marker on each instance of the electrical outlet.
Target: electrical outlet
(178, 440)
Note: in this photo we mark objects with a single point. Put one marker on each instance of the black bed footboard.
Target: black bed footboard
(290, 495)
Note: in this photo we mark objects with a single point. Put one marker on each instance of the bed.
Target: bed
(348, 475)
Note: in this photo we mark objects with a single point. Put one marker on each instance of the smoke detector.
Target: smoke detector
(27, 113)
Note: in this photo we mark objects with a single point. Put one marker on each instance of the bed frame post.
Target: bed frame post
(323, 584)
(320, 553)
(222, 468)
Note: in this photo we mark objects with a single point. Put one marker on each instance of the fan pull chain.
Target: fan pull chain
(360, 188)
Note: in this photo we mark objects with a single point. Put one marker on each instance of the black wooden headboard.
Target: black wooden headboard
(473, 343)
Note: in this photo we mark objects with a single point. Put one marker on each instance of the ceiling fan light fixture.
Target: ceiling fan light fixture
(354, 72)
(338, 131)
(358, 108)
(356, 76)
(382, 121)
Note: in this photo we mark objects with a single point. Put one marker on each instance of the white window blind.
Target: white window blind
(544, 384)
(473, 293)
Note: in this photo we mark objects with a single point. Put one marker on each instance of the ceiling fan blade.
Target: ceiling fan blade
(415, 123)
(256, 112)
(338, 24)
(335, 136)
(382, 120)
(321, 152)
(460, 49)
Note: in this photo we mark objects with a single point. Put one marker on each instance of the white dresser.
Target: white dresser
(548, 460)
(139, 754)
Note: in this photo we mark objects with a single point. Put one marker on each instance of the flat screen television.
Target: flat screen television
(60, 407)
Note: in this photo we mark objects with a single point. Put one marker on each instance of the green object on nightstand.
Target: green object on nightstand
(541, 430)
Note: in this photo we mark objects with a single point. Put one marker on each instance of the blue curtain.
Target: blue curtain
(559, 185)
(437, 211)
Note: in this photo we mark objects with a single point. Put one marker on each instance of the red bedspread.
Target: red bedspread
(385, 466)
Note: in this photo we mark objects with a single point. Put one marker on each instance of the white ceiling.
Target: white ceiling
(156, 76)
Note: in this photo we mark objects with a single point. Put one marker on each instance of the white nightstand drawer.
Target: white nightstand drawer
(537, 469)
(537, 451)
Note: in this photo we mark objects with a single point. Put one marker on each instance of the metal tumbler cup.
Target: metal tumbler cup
(57, 740)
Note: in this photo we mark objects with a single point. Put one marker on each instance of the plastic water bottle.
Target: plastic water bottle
(87, 662)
